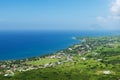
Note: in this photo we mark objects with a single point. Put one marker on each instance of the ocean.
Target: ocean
(26, 44)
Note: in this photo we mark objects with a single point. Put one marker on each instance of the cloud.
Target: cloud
(115, 8)
(114, 12)
(111, 21)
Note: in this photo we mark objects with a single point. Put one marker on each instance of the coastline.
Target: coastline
(38, 43)
(75, 41)
(88, 50)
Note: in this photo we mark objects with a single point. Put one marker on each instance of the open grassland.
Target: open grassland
(42, 61)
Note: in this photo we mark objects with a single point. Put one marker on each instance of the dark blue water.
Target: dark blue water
(19, 45)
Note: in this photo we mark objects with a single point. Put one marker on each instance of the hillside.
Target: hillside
(95, 58)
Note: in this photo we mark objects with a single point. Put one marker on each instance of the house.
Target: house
(99, 59)
(106, 72)
(9, 73)
(70, 49)
(52, 56)
(83, 58)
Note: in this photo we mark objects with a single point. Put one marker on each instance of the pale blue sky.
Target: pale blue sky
(52, 14)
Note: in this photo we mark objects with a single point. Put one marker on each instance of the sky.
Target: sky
(59, 14)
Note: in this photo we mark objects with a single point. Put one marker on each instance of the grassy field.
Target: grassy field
(42, 61)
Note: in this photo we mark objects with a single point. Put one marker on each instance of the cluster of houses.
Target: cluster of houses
(9, 69)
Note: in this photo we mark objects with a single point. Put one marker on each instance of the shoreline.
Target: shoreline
(45, 54)
(35, 52)
(73, 54)
(79, 39)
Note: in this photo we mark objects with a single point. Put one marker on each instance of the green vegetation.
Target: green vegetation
(42, 61)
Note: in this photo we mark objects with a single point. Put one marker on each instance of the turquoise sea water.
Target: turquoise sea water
(25, 44)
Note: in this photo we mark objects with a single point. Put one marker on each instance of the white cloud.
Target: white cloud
(111, 21)
(114, 11)
(115, 8)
